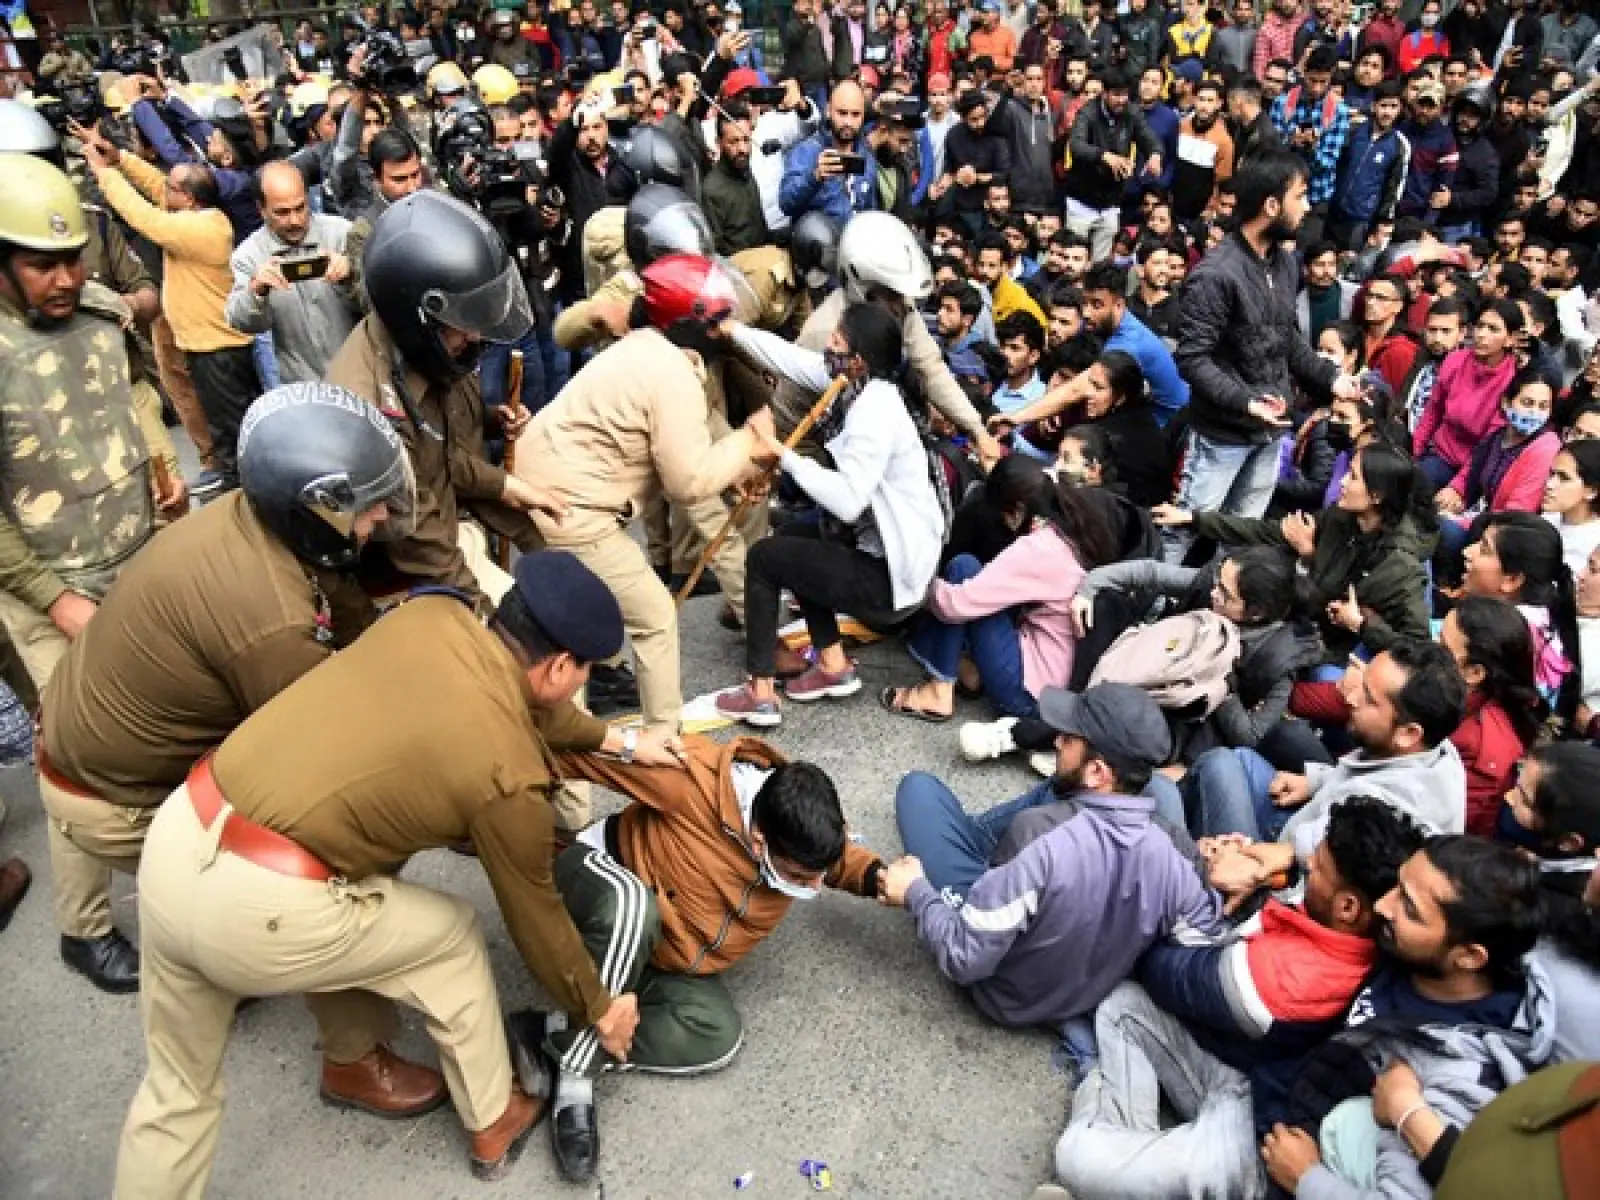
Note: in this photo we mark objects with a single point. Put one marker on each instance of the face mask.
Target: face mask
(1335, 358)
(1073, 476)
(1526, 423)
(1340, 437)
(775, 881)
(838, 362)
(1123, 260)
(1429, 20)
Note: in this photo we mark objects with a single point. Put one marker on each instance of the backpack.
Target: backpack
(1185, 662)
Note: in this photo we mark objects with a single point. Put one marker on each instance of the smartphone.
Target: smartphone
(300, 270)
(852, 164)
(623, 93)
(768, 96)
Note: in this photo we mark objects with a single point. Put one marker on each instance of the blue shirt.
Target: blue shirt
(1167, 388)
(1007, 399)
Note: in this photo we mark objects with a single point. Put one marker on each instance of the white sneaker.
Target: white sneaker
(983, 740)
(1043, 762)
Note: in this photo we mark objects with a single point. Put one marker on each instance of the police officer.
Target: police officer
(441, 285)
(269, 870)
(220, 613)
(75, 477)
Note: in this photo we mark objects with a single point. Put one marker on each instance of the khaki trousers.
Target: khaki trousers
(174, 371)
(216, 927)
(677, 534)
(89, 838)
(38, 643)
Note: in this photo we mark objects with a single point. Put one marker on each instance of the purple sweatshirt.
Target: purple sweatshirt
(1047, 936)
(1039, 572)
(1464, 407)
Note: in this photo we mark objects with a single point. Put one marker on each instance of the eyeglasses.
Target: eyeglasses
(1385, 297)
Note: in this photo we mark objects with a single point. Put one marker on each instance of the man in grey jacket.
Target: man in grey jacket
(1044, 937)
(291, 278)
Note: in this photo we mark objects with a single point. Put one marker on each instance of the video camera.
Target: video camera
(149, 57)
(391, 65)
(491, 179)
(77, 102)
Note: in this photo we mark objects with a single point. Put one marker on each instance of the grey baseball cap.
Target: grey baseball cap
(1121, 722)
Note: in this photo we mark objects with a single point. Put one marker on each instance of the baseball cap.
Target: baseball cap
(741, 79)
(1120, 722)
(1430, 89)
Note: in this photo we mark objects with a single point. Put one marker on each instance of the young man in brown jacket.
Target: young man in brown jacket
(669, 893)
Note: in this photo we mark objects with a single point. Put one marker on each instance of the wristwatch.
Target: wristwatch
(630, 743)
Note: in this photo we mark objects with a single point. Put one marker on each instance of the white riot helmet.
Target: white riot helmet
(878, 250)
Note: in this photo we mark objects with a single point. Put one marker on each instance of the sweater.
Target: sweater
(1490, 752)
(1039, 573)
(880, 470)
(196, 245)
(1521, 486)
(308, 321)
(1464, 407)
(1430, 787)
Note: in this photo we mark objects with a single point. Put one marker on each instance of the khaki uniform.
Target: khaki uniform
(454, 478)
(363, 786)
(74, 474)
(632, 425)
(211, 621)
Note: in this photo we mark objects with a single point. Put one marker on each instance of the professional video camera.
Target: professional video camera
(149, 56)
(79, 103)
(390, 64)
(491, 179)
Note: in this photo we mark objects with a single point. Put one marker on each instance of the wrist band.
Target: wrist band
(1400, 1125)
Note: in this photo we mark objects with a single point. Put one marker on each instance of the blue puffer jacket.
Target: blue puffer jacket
(1371, 174)
(840, 197)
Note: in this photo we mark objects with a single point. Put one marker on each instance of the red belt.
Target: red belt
(249, 841)
(48, 771)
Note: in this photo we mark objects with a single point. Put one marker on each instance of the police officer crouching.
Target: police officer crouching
(220, 613)
(271, 870)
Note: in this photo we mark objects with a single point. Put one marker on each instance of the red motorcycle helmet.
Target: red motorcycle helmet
(686, 287)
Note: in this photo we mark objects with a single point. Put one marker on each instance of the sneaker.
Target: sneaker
(740, 703)
(983, 740)
(817, 684)
(1043, 762)
(208, 486)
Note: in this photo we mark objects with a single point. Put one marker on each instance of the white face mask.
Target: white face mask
(775, 881)
(1429, 20)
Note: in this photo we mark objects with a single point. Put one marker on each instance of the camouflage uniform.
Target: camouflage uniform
(74, 471)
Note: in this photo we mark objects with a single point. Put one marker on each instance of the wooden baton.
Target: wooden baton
(509, 460)
(737, 515)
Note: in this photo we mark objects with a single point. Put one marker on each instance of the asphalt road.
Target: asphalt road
(856, 1051)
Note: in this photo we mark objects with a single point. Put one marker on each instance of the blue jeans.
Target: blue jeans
(993, 642)
(1217, 477)
(1228, 790)
(494, 368)
(954, 846)
(266, 359)
(1438, 471)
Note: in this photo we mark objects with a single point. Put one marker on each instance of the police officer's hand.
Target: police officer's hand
(513, 419)
(269, 277)
(519, 493)
(658, 746)
(70, 613)
(615, 1029)
(338, 268)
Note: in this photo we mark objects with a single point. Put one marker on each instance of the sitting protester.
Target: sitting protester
(1464, 406)
(1010, 617)
(1044, 937)
(1572, 501)
(1404, 705)
(1220, 1030)
(878, 495)
(1320, 456)
(1005, 508)
(1452, 1017)
(1363, 557)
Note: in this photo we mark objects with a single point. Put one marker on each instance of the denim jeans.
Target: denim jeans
(1229, 791)
(265, 354)
(992, 641)
(953, 845)
(1438, 471)
(1219, 477)
(494, 372)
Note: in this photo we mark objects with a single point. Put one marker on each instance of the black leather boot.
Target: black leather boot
(109, 962)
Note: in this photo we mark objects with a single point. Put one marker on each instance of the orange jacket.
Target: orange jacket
(684, 836)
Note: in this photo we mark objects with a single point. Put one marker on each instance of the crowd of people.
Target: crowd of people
(1211, 395)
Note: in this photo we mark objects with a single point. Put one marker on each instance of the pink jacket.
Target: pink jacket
(1522, 489)
(1464, 407)
(1039, 572)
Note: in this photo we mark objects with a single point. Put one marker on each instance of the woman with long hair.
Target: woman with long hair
(1572, 501)
(1464, 406)
(1012, 617)
(1363, 557)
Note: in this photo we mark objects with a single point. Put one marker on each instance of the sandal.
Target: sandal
(893, 700)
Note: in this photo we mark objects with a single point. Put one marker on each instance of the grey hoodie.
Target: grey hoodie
(1430, 788)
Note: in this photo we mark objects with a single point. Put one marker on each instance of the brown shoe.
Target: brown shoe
(383, 1084)
(14, 880)
(494, 1149)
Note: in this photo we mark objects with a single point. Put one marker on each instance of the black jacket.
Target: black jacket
(1239, 340)
(1476, 186)
(1030, 133)
(588, 191)
(732, 204)
(804, 55)
(1253, 139)
(1096, 133)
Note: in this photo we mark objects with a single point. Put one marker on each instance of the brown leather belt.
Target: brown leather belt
(249, 841)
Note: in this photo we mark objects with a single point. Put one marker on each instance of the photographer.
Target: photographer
(506, 46)
(179, 135)
(334, 165)
(63, 67)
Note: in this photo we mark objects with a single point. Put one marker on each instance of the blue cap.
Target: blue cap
(570, 603)
(1189, 70)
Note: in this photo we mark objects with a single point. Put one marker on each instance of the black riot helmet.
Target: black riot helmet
(312, 458)
(661, 220)
(432, 261)
(814, 249)
(655, 156)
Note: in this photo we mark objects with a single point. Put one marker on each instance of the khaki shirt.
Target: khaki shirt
(209, 622)
(447, 456)
(630, 425)
(364, 783)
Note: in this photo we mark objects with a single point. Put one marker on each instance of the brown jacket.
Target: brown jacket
(421, 735)
(685, 837)
(208, 622)
(447, 457)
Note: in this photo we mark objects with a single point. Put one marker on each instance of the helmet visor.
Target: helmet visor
(678, 229)
(497, 311)
(341, 500)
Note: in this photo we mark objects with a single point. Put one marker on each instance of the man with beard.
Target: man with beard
(1095, 891)
(1453, 1015)
(815, 174)
(1464, 204)
(1249, 123)
(1444, 332)
(1066, 261)
(1205, 154)
(1108, 139)
(1404, 705)
(729, 196)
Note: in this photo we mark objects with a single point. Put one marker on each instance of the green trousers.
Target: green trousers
(687, 1023)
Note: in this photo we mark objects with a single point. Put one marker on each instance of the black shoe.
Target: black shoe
(110, 962)
(525, 1037)
(613, 685)
(706, 585)
(575, 1139)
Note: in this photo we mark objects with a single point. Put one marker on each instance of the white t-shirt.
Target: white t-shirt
(1578, 542)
